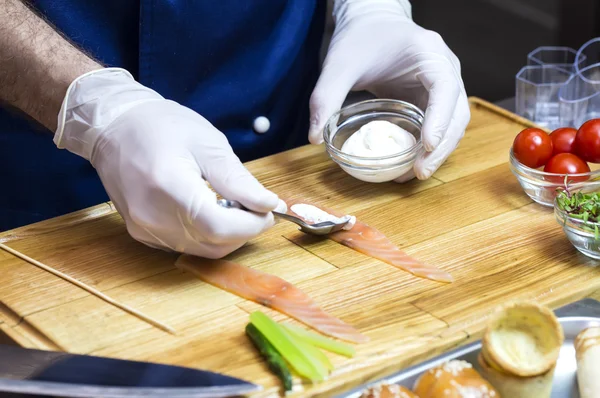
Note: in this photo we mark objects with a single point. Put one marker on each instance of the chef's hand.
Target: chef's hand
(377, 47)
(154, 158)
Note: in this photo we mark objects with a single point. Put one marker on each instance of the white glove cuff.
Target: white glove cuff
(344, 8)
(92, 102)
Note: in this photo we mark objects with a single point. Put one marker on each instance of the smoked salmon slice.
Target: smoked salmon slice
(270, 291)
(368, 240)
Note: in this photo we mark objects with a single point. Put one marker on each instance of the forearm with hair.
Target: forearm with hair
(36, 63)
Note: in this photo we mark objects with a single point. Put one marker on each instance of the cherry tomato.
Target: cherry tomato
(587, 141)
(566, 163)
(532, 147)
(563, 140)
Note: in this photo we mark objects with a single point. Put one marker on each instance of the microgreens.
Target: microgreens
(581, 206)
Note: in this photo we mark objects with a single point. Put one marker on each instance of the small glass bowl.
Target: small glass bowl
(350, 119)
(541, 186)
(581, 235)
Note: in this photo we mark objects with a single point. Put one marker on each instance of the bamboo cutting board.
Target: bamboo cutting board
(472, 219)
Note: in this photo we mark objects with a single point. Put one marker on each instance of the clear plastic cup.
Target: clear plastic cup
(561, 57)
(579, 97)
(588, 55)
(537, 88)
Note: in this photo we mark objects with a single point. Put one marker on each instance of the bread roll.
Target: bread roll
(454, 379)
(388, 391)
(512, 386)
(587, 351)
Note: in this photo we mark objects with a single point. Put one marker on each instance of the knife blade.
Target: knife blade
(60, 374)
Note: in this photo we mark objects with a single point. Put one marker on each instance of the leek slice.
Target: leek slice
(320, 341)
(304, 363)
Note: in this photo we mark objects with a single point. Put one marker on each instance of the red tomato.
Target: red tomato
(566, 163)
(532, 147)
(587, 141)
(563, 140)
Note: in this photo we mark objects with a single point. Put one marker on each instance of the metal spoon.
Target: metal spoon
(322, 228)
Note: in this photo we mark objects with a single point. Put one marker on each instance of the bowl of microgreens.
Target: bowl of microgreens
(577, 209)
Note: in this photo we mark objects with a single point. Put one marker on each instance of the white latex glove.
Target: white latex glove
(377, 47)
(154, 158)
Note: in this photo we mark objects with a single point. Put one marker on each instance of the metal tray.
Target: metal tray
(573, 318)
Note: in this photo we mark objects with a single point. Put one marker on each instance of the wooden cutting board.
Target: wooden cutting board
(472, 219)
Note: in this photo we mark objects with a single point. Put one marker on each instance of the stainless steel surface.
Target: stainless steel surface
(322, 228)
(573, 318)
(60, 374)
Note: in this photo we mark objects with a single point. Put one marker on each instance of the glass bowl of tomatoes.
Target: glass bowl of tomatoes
(544, 162)
(577, 210)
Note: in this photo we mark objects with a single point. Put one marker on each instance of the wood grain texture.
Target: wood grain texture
(87, 288)
(471, 219)
(307, 172)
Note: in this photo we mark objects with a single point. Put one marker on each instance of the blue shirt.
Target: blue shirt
(230, 60)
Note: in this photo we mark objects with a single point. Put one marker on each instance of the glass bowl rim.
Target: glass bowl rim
(413, 149)
(540, 173)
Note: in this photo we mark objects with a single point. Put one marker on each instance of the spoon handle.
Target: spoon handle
(322, 228)
(237, 205)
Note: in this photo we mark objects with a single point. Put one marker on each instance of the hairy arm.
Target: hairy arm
(36, 63)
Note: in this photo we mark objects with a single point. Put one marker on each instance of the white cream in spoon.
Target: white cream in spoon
(314, 215)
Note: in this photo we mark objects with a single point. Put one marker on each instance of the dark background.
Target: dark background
(493, 37)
